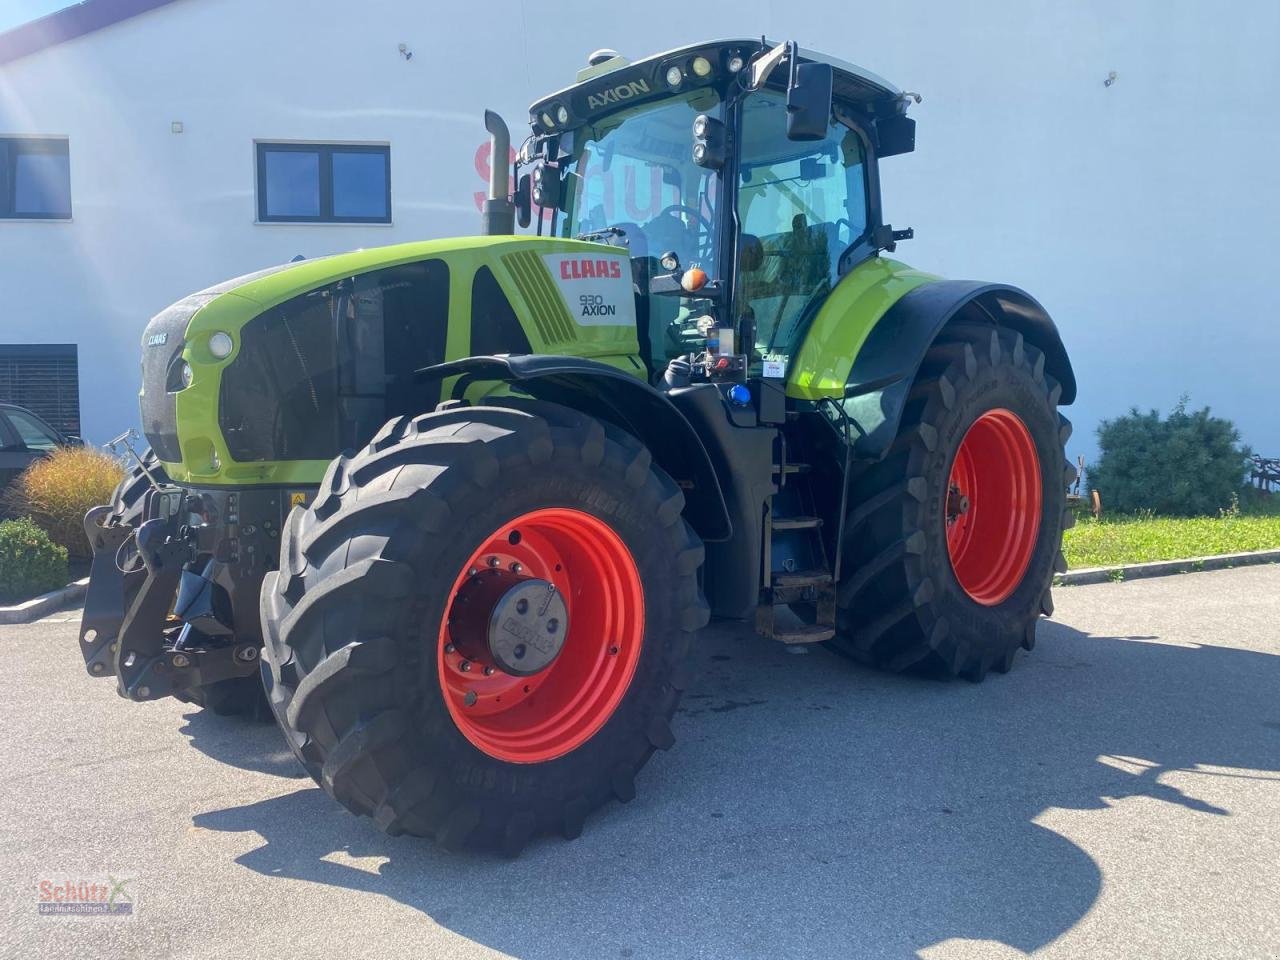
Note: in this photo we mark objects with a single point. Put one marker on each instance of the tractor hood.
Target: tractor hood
(265, 378)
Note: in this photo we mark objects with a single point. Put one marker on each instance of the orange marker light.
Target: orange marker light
(695, 278)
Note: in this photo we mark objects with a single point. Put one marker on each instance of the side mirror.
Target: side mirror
(547, 186)
(809, 100)
(523, 201)
(895, 135)
(72, 440)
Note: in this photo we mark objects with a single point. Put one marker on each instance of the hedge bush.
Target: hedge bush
(30, 563)
(1188, 464)
(58, 491)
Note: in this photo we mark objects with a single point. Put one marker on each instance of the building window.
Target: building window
(44, 378)
(35, 178)
(324, 183)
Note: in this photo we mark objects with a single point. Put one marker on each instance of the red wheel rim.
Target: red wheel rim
(533, 719)
(993, 504)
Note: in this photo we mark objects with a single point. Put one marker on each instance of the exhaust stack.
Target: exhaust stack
(499, 213)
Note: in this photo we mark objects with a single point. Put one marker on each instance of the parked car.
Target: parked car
(24, 439)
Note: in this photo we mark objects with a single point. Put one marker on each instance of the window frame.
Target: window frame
(324, 151)
(13, 145)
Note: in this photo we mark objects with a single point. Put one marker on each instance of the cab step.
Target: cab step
(797, 523)
(791, 468)
(784, 580)
(804, 633)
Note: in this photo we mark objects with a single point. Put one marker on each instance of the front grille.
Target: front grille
(162, 344)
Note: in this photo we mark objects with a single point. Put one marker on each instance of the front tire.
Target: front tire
(379, 674)
(953, 539)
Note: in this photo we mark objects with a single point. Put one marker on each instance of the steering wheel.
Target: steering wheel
(703, 228)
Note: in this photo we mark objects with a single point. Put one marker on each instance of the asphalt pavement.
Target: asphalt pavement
(1116, 795)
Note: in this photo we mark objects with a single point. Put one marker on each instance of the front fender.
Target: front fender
(613, 395)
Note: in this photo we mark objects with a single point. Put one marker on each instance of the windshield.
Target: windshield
(634, 171)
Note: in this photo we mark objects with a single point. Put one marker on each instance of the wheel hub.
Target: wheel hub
(541, 636)
(517, 624)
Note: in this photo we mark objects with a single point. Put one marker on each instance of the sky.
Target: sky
(15, 12)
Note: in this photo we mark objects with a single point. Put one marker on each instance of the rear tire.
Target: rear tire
(355, 619)
(905, 601)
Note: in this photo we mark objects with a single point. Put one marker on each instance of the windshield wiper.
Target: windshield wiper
(602, 234)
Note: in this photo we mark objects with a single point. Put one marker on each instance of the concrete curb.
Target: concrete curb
(46, 603)
(1164, 568)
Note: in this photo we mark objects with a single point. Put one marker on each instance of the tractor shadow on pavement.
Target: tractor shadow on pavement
(814, 808)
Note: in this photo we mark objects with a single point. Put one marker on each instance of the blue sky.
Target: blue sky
(15, 12)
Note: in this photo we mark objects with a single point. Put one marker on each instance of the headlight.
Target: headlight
(221, 345)
(702, 66)
(546, 120)
(185, 374)
(674, 76)
(563, 114)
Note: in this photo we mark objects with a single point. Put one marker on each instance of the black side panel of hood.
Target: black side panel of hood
(162, 342)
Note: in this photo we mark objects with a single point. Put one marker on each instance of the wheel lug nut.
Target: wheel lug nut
(470, 698)
(449, 648)
(488, 671)
(465, 666)
(516, 568)
(493, 561)
(472, 572)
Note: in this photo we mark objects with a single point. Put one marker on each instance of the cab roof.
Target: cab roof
(618, 82)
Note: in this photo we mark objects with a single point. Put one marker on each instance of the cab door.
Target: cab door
(801, 206)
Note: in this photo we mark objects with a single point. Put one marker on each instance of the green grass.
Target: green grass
(1111, 541)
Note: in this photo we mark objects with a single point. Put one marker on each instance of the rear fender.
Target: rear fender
(896, 347)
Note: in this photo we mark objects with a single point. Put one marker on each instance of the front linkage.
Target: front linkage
(171, 562)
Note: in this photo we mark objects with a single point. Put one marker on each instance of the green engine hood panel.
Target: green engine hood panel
(570, 297)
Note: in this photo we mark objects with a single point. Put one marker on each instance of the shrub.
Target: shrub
(30, 563)
(58, 491)
(1189, 464)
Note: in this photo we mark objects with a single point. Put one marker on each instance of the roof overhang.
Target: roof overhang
(619, 83)
(85, 17)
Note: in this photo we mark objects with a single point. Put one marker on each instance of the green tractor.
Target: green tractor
(456, 510)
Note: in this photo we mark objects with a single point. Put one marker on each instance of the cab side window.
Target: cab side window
(805, 203)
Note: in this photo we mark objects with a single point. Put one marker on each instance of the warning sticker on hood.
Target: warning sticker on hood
(596, 289)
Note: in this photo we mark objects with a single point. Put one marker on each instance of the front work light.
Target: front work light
(702, 66)
(563, 114)
(221, 345)
(674, 76)
(709, 142)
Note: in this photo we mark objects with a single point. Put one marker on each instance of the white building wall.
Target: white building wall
(1143, 214)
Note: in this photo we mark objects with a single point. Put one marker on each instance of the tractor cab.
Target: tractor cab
(739, 175)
